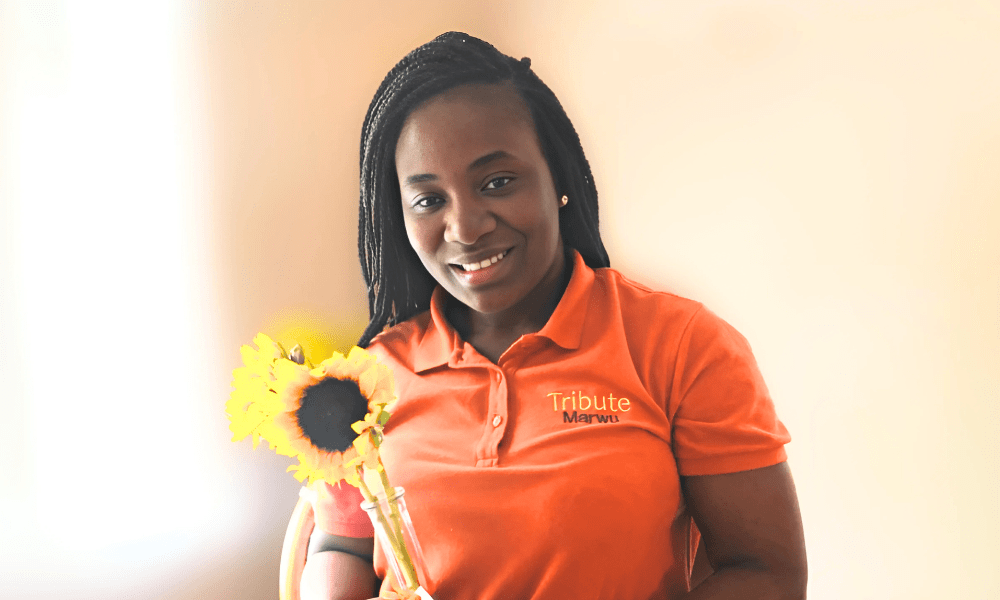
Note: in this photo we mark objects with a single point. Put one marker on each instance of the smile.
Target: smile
(484, 263)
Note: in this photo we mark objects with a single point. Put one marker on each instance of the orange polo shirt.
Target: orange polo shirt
(555, 472)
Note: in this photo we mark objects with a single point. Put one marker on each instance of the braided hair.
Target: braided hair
(399, 286)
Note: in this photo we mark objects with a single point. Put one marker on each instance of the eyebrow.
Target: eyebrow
(479, 162)
(485, 160)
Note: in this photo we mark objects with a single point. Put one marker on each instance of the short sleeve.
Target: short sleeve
(722, 416)
(337, 509)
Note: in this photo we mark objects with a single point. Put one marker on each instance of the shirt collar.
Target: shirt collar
(565, 326)
(440, 343)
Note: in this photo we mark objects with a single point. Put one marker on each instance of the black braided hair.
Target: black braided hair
(399, 286)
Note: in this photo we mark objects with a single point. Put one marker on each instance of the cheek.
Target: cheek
(410, 235)
(420, 234)
(550, 219)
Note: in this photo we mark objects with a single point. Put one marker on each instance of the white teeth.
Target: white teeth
(480, 265)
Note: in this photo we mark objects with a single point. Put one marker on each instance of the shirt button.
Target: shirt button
(496, 421)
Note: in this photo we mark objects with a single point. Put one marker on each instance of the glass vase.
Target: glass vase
(399, 543)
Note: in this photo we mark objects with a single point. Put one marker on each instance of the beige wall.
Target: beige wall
(821, 174)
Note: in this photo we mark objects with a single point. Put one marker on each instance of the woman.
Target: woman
(559, 427)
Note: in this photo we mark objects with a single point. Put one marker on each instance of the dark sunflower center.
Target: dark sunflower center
(327, 411)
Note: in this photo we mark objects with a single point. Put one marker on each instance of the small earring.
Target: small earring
(563, 201)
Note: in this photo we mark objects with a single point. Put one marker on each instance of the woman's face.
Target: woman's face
(476, 191)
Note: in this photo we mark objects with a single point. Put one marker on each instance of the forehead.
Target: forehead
(465, 123)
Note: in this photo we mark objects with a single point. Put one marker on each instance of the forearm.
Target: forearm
(750, 582)
(335, 575)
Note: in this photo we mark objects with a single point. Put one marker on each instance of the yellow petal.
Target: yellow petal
(255, 363)
(269, 349)
(361, 358)
(245, 425)
(290, 379)
(385, 377)
(368, 381)
(241, 375)
(352, 478)
(331, 366)
(300, 472)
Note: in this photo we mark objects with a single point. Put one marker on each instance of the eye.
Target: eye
(498, 182)
(426, 202)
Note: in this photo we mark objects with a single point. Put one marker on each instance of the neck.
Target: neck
(492, 334)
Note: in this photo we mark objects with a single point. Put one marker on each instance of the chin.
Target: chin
(485, 306)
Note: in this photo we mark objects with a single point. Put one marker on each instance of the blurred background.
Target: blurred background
(176, 176)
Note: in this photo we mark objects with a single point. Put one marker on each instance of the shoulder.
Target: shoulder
(666, 334)
(640, 305)
(400, 344)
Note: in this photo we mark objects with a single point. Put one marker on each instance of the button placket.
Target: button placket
(499, 404)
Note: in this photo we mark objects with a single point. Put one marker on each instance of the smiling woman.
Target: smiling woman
(482, 213)
(492, 300)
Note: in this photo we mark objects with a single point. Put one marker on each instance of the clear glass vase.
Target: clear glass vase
(392, 521)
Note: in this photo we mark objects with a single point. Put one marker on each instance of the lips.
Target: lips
(478, 272)
(482, 264)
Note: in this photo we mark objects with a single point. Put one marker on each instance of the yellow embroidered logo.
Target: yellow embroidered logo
(583, 402)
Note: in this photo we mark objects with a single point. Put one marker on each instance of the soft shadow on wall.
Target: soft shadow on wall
(287, 87)
(184, 175)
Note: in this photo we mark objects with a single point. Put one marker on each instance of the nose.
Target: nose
(467, 220)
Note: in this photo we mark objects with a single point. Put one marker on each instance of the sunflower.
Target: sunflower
(329, 416)
(253, 403)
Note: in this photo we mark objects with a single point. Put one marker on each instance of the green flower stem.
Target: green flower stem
(397, 521)
(394, 534)
(372, 498)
